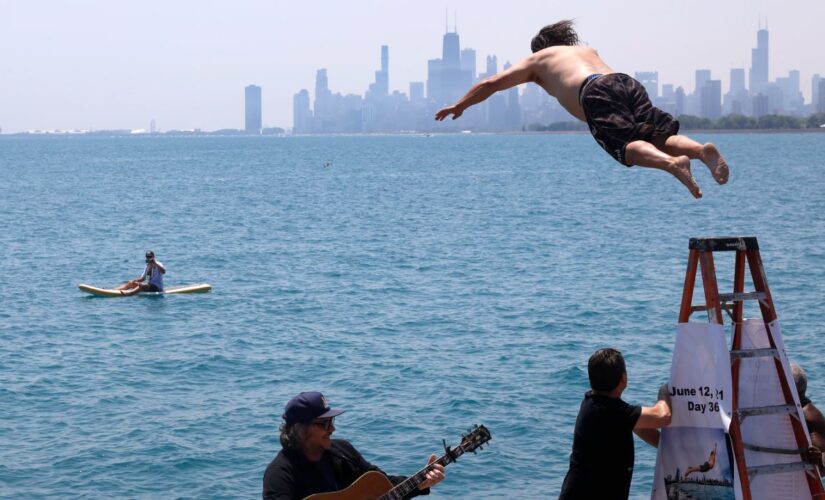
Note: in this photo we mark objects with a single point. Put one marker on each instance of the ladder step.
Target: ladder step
(766, 352)
(723, 244)
(765, 410)
(778, 468)
(741, 297)
(775, 451)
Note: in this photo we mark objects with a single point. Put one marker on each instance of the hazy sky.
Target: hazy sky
(116, 64)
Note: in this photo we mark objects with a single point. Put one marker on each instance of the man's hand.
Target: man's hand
(445, 112)
(814, 456)
(435, 476)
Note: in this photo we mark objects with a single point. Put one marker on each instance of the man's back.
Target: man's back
(560, 70)
(601, 464)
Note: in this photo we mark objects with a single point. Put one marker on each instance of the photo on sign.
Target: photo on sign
(697, 463)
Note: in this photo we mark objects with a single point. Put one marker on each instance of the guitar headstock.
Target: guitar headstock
(474, 439)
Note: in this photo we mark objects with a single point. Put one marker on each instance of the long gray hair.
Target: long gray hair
(293, 435)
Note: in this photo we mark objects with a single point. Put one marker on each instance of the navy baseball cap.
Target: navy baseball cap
(306, 407)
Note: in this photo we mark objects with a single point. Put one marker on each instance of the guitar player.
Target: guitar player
(311, 462)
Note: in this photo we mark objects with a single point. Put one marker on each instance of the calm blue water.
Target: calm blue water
(422, 283)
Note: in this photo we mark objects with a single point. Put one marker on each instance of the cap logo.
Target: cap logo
(324, 402)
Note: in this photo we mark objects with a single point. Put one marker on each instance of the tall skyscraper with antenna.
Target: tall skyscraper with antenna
(759, 62)
(446, 79)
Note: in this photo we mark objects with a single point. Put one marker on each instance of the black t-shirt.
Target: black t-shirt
(290, 476)
(601, 464)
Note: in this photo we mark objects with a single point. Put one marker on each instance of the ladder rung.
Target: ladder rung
(778, 468)
(741, 297)
(775, 451)
(754, 353)
(757, 411)
(726, 307)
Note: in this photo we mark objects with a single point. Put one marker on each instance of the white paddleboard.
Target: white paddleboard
(114, 292)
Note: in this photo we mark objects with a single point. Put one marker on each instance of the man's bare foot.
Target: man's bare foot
(681, 170)
(711, 157)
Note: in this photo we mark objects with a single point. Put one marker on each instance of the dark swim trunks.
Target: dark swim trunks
(704, 467)
(619, 111)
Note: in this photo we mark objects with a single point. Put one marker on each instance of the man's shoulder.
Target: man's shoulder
(562, 50)
(343, 446)
(812, 412)
(281, 461)
(601, 405)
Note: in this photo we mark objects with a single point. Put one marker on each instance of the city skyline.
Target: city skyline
(449, 77)
(114, 67)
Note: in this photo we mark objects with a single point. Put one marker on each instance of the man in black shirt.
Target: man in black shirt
(601, 464)
(310, 461)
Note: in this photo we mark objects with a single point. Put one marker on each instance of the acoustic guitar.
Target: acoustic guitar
(375, 486)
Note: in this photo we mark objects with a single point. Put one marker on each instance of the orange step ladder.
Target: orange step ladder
(747, 250)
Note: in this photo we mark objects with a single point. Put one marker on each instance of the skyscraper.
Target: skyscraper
(650, 80)
(447, 80)
(821, 108)
(252, 95)
(416, 91)
(737, 79)
(702, 77)
(816, 97)
(468, 62)
(382, 77)
(759, 62)
(322, 94)
(711, 99)
(300, 112)
(736, 100)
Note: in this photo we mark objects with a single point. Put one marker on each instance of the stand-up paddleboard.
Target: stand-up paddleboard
(114, 292)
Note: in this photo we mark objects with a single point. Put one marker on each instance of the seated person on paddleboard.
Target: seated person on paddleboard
(154, 270)
(311, 462)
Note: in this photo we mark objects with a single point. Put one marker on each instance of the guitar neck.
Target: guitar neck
(411, 483)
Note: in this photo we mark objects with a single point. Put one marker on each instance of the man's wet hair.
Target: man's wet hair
(605, 369)
(560, 33)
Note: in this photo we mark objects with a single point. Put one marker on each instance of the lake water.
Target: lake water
(423, 284)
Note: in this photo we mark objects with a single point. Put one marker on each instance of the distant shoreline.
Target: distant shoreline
(415, 134)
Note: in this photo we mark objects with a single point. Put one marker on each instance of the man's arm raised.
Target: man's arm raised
(658, 415)
(517, 74)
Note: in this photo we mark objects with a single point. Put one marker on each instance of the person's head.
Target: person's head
(560, 33)
(308, 423)
(605, 369)
(800, 379)
(150, 256)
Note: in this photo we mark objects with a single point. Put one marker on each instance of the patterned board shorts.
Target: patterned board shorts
(619, 111)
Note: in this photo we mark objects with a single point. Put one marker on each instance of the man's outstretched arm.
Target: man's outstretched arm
(515, 75)
(656, 416)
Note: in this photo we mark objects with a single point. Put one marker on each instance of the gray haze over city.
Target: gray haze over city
(95, 65)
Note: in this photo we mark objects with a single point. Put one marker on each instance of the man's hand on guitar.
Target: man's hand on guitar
(435, 476)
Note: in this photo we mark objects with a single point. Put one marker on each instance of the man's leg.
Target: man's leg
(139, 287)
(127, 285)
(645, 154)
(678, 145)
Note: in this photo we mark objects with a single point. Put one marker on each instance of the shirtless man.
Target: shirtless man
(615, 106)
(813, 419)
(711, 463)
